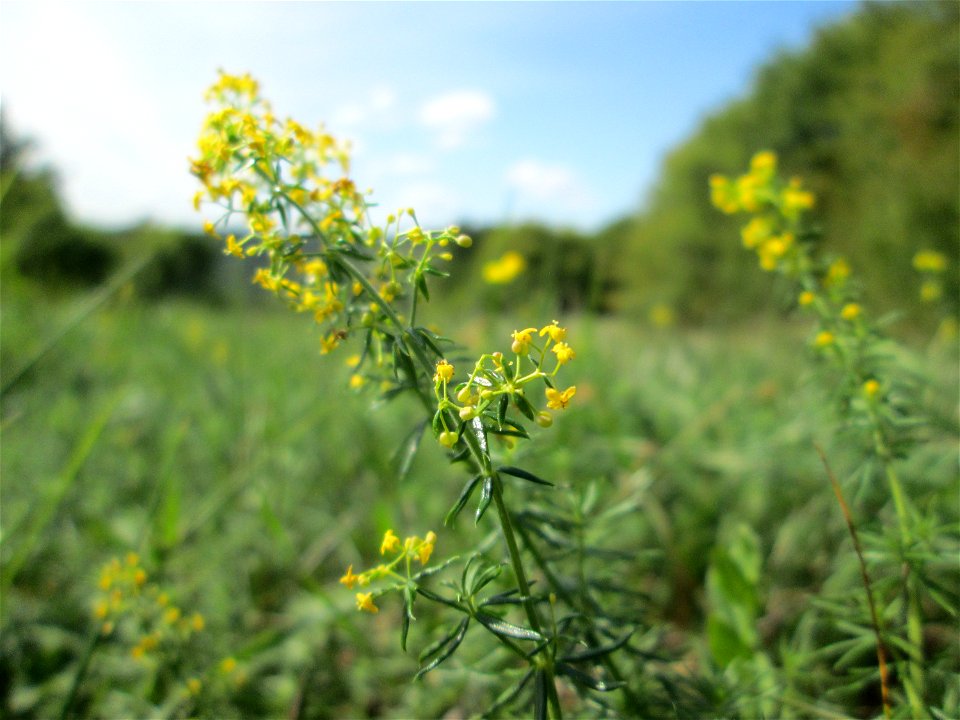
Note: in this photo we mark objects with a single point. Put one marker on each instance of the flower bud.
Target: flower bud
(544, 419)
(464, 241)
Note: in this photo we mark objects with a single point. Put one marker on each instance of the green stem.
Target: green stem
(481, 455)
(79, 676)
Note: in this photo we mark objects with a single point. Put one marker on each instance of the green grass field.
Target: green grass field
(225, 451)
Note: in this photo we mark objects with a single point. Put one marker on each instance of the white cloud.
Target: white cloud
(455, 115)
(539, 181)
(377, 104)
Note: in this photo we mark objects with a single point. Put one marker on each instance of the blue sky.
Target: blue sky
(469, 112)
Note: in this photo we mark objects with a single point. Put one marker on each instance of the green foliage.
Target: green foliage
(868, 115)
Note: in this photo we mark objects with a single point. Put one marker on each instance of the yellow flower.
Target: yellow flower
(390, 542)
(197, 622)
(824, 338)
(795, 199)
(564, 353)
(233, 247)
(764, 163)
(349, 579)
(838, 272)
(357, 381)
(228, 665)
(505, 269)
(806, 298)
(365, 602)
(755, 232)
(851, 311)
(929, 261)
(426, 548)
(194, 686)
(557, 400)
(444, 372)
(722, 194)
(871, 388)
(556, 333)
(522, 340)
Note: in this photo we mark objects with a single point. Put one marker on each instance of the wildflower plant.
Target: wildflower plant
(310, 232)
(876, 396)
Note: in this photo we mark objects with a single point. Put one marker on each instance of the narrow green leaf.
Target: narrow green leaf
(582, 678)
(540, 691)
(407, 451)
(524, 406)
(425, 335)
(507, 696)
(462, 500)
(486, 495)
(430, 595)
(488, 575)
(597, 652)
(502, 409)
(446, 648)
(506, 629)
(523, 475)
(422, 286)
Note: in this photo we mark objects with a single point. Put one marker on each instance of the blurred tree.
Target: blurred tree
(868, 115)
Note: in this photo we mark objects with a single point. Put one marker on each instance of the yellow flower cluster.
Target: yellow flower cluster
(405, 553)
(127, 594)
(930, 264)
(775, 207)
(305, 218)
(496, 380)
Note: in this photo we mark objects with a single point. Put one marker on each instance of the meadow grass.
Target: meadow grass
(219, 446)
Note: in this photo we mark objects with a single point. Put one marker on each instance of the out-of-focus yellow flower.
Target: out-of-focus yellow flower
(505, 269)
(824, 338)
(390, 543)
(349, 579)
(662, 315)
(426, 547)
(850, 311)
(806, 298)
(871, 388)
(365, 602)
(723, 195)
(931, 291)
(930, 261)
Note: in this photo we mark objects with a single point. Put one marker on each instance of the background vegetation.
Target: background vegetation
(153, 402)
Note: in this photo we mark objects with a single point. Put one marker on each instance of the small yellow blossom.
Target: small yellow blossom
(426, 547)
(838, 272)
(557, 400)
(197, 623)
(390, 543)
(806, 298)
(357, 381)
(564, 353)
(171, 615)
(365, 602)
(444, 372)
(722, 194)
(522, 340)
(824, 338)
(228, 665)
(871, 388)
(556, 333)
(233, 247)
(850, 311)
(194, 686)
(349, 579)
